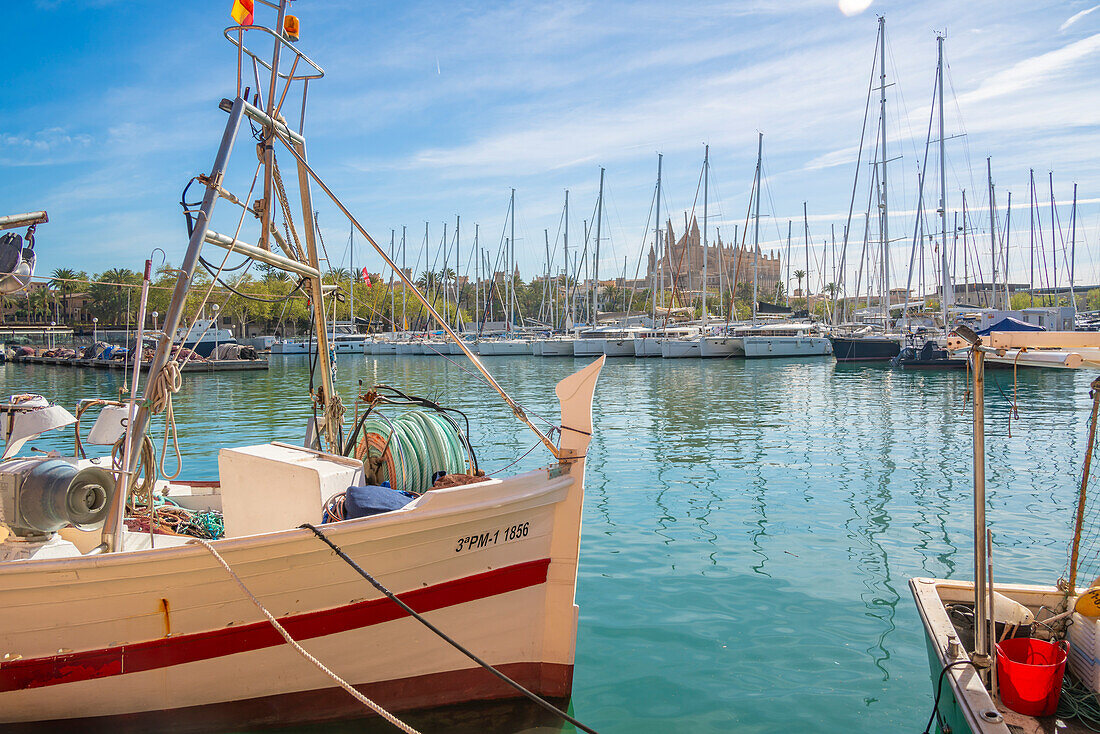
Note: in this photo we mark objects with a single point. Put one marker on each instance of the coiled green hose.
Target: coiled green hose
(413, 446)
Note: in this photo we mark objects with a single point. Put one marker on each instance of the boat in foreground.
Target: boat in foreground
(125, 607)
(998, 652)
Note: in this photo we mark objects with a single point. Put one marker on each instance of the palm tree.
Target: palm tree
(800, 274)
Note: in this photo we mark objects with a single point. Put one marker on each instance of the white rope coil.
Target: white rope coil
(376, 708)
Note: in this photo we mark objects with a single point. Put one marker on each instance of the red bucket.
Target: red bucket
(1029, 675)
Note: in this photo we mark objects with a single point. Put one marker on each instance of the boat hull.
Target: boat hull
(552, 348)
(127, 652)
(616, 347)
(758, 347)
(504, 348)
(647, 346)
(329, 704)
(680, 348)
(721, 346)
(588, 347)
(864, 349)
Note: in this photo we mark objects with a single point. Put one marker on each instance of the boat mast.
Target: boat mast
(427, 268)
(756, 226)
(884, 219)
(706, 182)
(510, 277)
(1072, 253)
(1031, 215)
(568, 290)
(806, 241)
(477, 276)
(657, 247)
(351, 275)
(404, 268)
(992, 236)
(945, 275)
(596, 260)
(1053, 238)
(787, 284)
(443, 273)
(458, 266)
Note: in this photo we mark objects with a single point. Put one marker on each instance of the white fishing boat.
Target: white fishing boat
(462, 593)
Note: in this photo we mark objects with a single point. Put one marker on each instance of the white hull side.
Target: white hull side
(647, 346)
(757, 347)
(680, 348)
(102, 603)
(504, 348)
(587, 347)
(616, 347)
(721, 346)
(552, 348)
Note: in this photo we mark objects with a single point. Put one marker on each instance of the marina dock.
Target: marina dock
(220, 365)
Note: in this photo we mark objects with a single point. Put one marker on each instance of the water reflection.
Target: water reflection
(748, 527)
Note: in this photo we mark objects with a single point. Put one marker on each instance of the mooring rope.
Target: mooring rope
(443, 635)
(290, 641)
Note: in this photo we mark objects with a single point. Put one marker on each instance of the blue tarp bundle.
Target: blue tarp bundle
(1010, 324)
(371, 500)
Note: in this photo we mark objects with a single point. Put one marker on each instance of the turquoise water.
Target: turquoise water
(749, 527)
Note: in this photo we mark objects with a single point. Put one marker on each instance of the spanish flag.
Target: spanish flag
(242, 11)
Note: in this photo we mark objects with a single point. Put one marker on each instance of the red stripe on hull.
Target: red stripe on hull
(166, 652)
(550, 680)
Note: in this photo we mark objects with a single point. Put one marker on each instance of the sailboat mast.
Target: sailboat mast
(458, 266)
(596, 260)
(404, 269)
(884, 219)
(1053, 238)
(806, 242)
(992, 236)
(945, 275)
(427, 269)
(477, 275)
(351, 267)
(787, 284)
(568, 290)
(443, 273)
(706, 196)
(658, 262)
(512, 265)
(1073, 251)
(1031, 213)
(756, 225)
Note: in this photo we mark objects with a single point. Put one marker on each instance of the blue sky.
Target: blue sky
(436, 109)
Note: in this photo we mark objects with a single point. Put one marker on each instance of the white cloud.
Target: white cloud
(1032, 71)
(1076, 17)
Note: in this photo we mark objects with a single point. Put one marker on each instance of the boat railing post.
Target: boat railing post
(981, 632)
